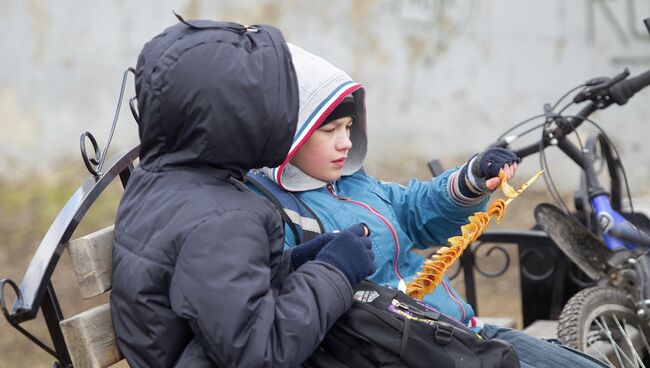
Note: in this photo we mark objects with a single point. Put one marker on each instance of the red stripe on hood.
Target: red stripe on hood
(311, 131)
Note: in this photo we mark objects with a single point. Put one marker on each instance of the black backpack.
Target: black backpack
(387, 328)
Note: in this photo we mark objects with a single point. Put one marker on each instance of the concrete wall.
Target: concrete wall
(444, 78)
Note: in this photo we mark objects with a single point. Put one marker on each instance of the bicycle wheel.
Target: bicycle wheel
(602, 322)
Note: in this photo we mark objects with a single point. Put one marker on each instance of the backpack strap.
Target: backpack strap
(302, 221)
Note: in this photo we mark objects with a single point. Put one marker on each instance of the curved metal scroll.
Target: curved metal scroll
(12, 321)
(95, 164)
(492, 237)
(532, 257)
(489, 252)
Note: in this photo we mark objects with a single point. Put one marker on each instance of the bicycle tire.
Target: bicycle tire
(599, 320)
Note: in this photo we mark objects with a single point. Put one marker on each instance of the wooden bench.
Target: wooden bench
(90, 336)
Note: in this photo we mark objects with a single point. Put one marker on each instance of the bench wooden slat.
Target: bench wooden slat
(91, 257)
(90, 338)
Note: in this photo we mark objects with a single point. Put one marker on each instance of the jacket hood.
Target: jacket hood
(216, 95)
(322, 86)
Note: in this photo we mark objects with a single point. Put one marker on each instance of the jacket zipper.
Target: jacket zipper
(391, 320)
(431, 315)
(330, 189)
(463, 314)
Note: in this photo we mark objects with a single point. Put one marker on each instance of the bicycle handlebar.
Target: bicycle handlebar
(617, 89)
(598, 89)
(622, 91)
(559, 133)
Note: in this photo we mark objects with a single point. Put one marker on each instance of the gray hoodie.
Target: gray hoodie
(321, 87)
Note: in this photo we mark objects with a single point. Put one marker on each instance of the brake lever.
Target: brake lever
(597, 89)
(596, 81)
(624, 74)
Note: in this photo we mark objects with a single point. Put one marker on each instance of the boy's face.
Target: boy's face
(323, 155)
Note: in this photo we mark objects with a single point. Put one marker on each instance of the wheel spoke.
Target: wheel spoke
(626, 336)
(640, 332)
(603, 357)
(603, 321)
(645, 340)
(600, 321)
(593, 338)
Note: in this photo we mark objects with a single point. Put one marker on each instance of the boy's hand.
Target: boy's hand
(494, 183)
(480, 175)
(485, 168)
(351, 253)
(307, 251)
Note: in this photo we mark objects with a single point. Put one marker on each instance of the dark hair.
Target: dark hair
(344, 108)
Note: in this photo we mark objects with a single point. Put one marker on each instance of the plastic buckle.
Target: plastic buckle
(444, 333)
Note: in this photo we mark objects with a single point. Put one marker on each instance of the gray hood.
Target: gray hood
(322, 86)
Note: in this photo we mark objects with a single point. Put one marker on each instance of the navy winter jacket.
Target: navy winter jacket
(199, 274)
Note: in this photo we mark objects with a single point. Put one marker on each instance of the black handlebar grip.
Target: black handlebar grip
(622, 91)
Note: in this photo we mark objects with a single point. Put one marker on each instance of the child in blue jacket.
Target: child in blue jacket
(324, 170)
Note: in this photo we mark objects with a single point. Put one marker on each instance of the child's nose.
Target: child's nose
(343, 142)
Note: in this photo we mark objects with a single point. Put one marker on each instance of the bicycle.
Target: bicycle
(610, 320)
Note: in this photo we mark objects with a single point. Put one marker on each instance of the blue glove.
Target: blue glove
(482, 167)
(307, 251)
(350, 252)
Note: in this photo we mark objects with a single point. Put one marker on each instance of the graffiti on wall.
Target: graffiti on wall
(622, 20)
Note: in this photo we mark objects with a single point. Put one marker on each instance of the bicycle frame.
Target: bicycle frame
(606, 216)
(606, 209)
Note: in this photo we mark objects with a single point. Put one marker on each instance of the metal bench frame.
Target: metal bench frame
(36, 290)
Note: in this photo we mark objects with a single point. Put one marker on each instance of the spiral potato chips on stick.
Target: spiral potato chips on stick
(434, 268)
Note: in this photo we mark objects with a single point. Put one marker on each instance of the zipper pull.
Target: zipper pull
(397, 303)
(430, 314)
(332, 190)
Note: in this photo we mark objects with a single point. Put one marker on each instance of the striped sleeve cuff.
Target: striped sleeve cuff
(462, 191)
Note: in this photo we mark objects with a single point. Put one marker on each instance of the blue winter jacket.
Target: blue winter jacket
(418, 215)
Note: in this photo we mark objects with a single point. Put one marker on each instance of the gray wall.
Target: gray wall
(444, 78)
